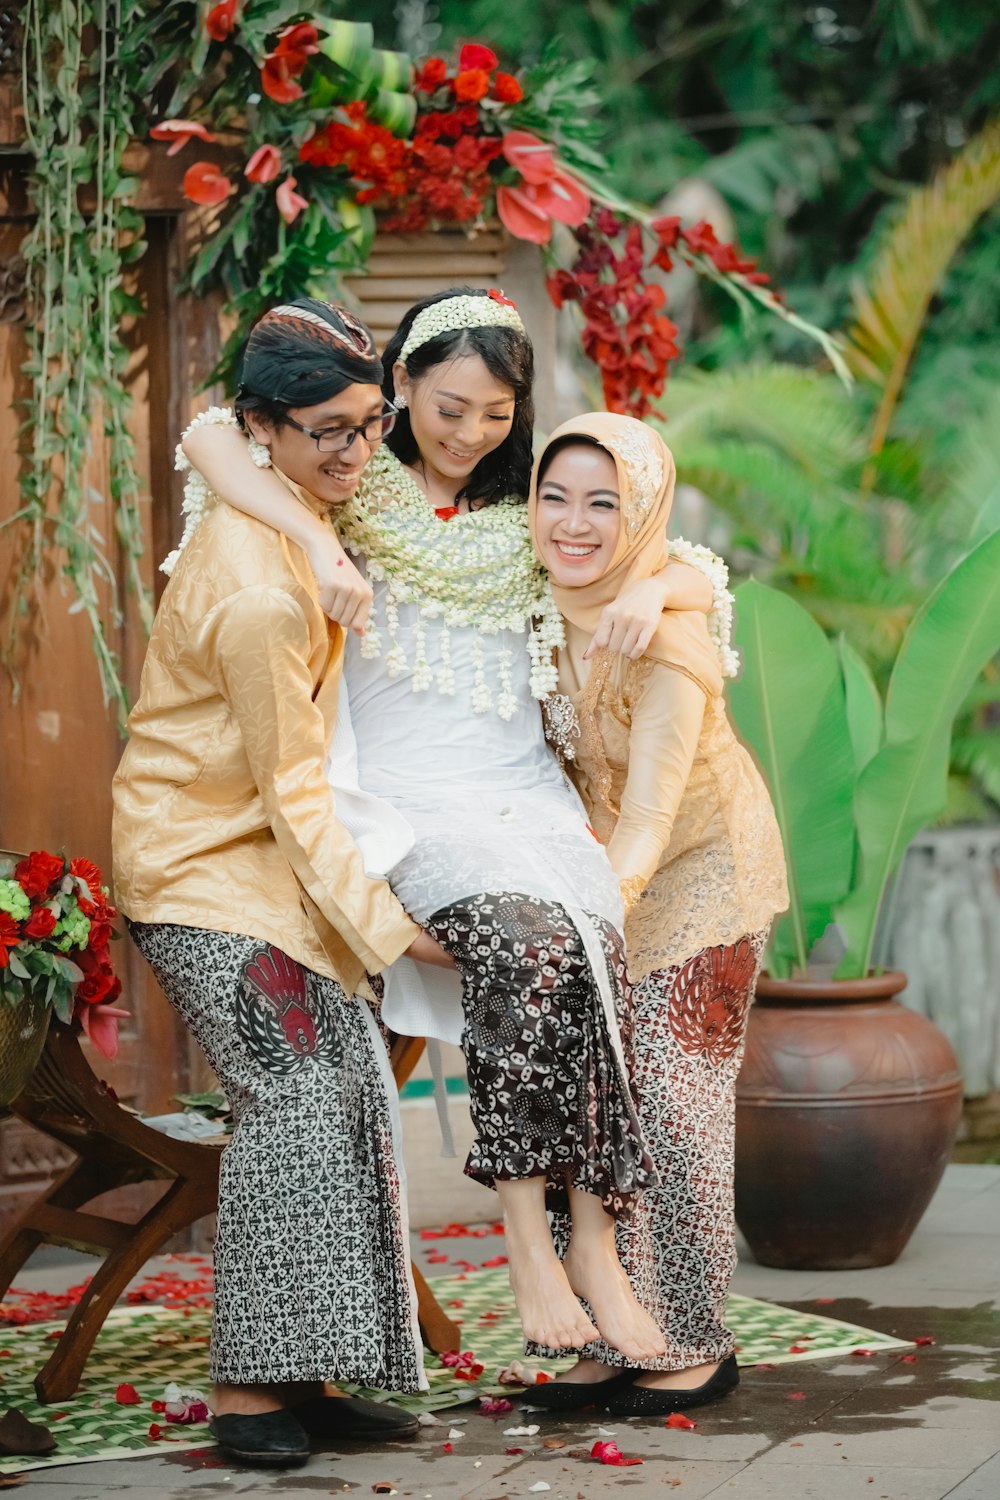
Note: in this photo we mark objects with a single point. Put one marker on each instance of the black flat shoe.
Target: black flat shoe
(573, 1395)
(643, 1401)
(354, 1417)
(269, 1440)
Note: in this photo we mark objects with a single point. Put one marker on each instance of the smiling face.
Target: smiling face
(331, 477)
(459, 412)
(578, 516)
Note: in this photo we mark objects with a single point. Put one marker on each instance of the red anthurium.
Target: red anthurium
(522, 215)
(179, 132)
(298, 42)
(100, 1022)
(563, 199)
(475, 55)
(264, 165)
(533, 157)
(204, 183)
(221, 20)
(290, 203)
(277, 81)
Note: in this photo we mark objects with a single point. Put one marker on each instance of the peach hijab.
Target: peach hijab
(646, 475)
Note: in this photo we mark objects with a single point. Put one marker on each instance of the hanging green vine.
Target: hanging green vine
(78, 112)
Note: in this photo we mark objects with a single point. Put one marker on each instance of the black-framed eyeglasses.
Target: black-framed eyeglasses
(336, 439)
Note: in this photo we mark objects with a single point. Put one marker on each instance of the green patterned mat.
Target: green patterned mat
(151, 1346)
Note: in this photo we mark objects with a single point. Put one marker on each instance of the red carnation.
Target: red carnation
(39, 872)
(431, 76)
(41, 923)
(221, 20)
(475, 55)
(472, 84)
(507, 89)
(87, 871)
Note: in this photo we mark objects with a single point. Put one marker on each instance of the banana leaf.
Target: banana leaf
(951, 639)
(790, 707)
(864, 705)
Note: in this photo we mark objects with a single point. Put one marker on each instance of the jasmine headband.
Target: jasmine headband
(491, 310)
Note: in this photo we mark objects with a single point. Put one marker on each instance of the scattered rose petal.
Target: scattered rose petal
(494, 1406)
(496, 1260)
(679, 1420)
(763, 1365)
(446, 1448)
(864, 1353)
(823, 1301)
(541, 1376)
(797, 1349)
(472, 1373)
(511, 1451)
(796, 1395)
(926, 1339)
(610, 1453)
(909, 1359)
(127, 1395)
(155, 1431)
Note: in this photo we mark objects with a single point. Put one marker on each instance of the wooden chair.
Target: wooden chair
(114, 1148)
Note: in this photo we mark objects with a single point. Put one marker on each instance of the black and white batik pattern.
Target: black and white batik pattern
(550, 1095)
(677, 1242)
(312, 1266)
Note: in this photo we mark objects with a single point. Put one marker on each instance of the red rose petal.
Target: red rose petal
(797, 1349)
(127, 1395)
(926, 1339)
(679, 1420)
(796, 1395)
(909, 1359)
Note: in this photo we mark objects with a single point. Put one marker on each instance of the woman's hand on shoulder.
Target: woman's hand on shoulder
(627, 624)
(344, 593)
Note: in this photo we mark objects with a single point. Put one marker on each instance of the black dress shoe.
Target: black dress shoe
(269, 1440)
(573, 1395)
(354, 1417)
(643, 1401)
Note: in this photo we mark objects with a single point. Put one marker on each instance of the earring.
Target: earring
(399, 402)
(259, 455)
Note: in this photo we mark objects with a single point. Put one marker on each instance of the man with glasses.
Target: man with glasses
(251, 903)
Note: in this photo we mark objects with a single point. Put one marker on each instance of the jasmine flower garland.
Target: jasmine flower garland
(477, 570)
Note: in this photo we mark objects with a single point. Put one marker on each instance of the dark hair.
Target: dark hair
(508, 356)
(301, 353)
(570, 440)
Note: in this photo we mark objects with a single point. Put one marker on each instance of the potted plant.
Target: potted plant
(55, 931)
(848, 1103)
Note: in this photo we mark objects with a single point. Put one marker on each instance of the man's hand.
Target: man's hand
(344, 594)
(427, 950)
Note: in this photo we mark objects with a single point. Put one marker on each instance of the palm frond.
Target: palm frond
(891, 306)
(979, 754)
(805, 414)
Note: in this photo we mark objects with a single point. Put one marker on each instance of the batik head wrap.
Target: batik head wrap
(646, 475)
(303, 353)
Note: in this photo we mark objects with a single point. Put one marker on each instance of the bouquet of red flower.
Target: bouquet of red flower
(55, 935)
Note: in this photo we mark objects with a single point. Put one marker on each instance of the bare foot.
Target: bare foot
(677, 1380)
(547, 1306)
(588, 1372)
(244, 1400)
(598, 1277)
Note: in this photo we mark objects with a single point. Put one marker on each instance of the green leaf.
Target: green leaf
(789, 705)
(864, 705)
(949, 642)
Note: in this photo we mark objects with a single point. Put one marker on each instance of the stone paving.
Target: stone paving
(888, 1428)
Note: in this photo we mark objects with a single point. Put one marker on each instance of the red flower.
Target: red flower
(533, 157)
(39, 872)
(475, 55)
(290, 203)
(507, 89)
(472, 84)
(666, 231)
(179, 132)
(522, 215)
(498, 296)
(221, 20)
(10, 936)
(431, 76)
(99, 983)
(610, 1453)
(562, 287)
(204, 183)
(296, 44)
(88, 872)
(41, 923)
(264, 165)
(100, 1023)
(700, 237)
(563, 199)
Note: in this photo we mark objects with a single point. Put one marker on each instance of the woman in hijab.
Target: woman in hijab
(692, 837)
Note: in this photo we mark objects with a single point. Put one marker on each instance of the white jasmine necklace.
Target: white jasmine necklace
(477, 569)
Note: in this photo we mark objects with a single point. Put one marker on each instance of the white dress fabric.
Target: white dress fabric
(487, 804)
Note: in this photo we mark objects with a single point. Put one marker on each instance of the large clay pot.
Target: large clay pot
(846, 1110)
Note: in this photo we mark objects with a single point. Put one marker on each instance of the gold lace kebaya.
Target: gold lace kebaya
(223, 817)
(671, 792)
